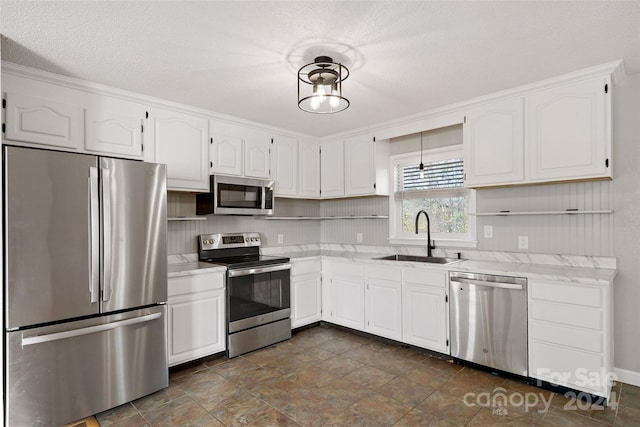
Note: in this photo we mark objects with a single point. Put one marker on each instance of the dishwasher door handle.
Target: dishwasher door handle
(501, 285)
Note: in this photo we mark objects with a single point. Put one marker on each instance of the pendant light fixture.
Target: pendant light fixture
(421, 167)
(324, 79)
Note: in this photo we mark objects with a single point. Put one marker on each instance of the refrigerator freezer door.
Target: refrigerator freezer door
(51, 256)
(134, 207)
(58, 374)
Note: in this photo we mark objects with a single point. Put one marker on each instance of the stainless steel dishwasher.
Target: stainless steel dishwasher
(488, 318)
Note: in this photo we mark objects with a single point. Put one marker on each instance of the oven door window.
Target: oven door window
(257, 294)
(239, 196)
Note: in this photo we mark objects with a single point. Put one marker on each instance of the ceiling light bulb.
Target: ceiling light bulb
(334, 102)
(315, 103)
(321, 92)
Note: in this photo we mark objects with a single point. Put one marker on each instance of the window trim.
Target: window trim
(431, 155)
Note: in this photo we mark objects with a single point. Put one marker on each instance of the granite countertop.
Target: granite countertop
(191, 268)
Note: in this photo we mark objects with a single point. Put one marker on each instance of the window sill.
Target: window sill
(439, 243)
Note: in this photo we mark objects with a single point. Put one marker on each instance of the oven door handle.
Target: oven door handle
(257, 270)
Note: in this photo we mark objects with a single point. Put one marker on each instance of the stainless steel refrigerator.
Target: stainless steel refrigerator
(85, 284)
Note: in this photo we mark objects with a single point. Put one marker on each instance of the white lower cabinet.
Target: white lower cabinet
(306, 292)
(196, 316)
(570, 335)
(383, 301)
(345, 294)
(425, 309)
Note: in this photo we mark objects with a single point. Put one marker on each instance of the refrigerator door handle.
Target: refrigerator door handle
(39, 339)
(106, 230)
(94, 236)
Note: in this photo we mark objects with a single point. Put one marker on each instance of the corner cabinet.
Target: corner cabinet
(306, 292)
(425, 309)
(571, 335)
(196, 316)
(494, 144)
(569, 131)
(343, 287)
(180, 142)
(308, 169)
(332, 169)
(366, 166)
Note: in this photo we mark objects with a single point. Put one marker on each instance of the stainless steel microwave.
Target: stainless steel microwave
(230, 195)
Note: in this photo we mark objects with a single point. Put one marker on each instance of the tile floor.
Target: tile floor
(327, 376)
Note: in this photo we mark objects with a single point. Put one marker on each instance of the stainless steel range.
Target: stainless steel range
(258, 290)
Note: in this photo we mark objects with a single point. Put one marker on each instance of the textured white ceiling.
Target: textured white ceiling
(241, 58)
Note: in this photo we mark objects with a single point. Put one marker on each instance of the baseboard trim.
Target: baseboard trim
(627, 377)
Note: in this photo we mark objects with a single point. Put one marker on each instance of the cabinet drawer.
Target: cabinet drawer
(571, 315)
(425, 277)
(351, 269)
(305, 267)
(196, 283)
(578, 338)
(561, 292)
(567, 367)
(384, 273)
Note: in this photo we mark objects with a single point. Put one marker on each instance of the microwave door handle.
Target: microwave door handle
(94, 236)
(106, 224)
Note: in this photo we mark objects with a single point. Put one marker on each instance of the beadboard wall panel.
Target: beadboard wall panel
(582, 234)
(374, 231)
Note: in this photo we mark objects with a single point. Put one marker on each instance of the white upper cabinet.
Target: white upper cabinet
(225, 153)
(309, 170)
(494, 144)
(239, 151)
(332, 169)
(44, 119)
(366, 166)
(114, 126)
(568, 131)
(257, 154)
(285, 166)
(359, 166)
(180, 142)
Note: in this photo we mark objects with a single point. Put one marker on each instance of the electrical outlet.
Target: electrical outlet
(488, 231)
(523, 242)
(280, 239)
(359, 237)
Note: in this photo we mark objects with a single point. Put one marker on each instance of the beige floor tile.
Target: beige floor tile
(368, 376)
(179, 412)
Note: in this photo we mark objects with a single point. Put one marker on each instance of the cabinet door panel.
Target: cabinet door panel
(285, 166)
(257, 155)
(196, 326)
(425, 317)
(226, 154)
(306, 298)
(114, 126)
(384, 308)
(44, 121)
(348, 302)
(181, 144)
(359, 166)
(494, 144)
(567, 132)
(309, 168)
(332, 169)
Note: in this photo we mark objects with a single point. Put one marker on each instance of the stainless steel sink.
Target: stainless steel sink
(412, 258)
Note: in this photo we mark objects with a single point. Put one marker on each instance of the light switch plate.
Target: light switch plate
(359, 237)
(280, 239)
(523, 242)
(488, 231)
